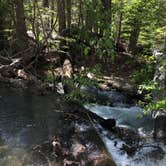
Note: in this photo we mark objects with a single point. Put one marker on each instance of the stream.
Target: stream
(130, 117)
(27, 120)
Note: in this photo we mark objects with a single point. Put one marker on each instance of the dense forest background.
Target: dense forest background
(111, 36)
(99, 24)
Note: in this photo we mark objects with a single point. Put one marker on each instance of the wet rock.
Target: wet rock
(152, 151)
(78, 149)
(130, 150)
(159, 126)
(57, 148)
(103, 160)
(130, 136)
(108, 124)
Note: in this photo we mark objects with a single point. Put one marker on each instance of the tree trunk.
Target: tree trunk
(61, 16)
(68, 7)
(120, 23)
(21, 25)
(1, 35)
(134, 38)
(107, 4)
(106, 14)
(81, 19)
(52, 15)
(45, 3)
(89, 19)
(46, 19)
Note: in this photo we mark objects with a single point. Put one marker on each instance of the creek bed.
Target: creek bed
(29, 121)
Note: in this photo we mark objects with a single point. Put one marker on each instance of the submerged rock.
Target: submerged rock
(108, 124)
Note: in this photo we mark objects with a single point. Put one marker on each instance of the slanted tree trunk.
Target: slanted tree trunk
(61, 16)
(21, 30)
(68, 7)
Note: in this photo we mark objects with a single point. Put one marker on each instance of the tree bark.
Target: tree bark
(45, 3)
(106, 14)
(107, 4)
(89, 18)
(1, 35)
(52, 15)
(120, 23)
(134, 35)
(21, 25)
(61, 16)
(119, 28)
(46, 20)
(68, 7)
(81, 19)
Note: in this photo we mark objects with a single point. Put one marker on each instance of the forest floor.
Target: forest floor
(119, 74)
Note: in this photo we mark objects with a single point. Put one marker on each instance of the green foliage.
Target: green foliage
(96, 70)
(49, 78)
(147, 87)
(105, 48)
(75, 94)
(144, 74)
(155, 106)
(79, 80)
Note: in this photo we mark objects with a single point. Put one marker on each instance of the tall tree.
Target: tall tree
(119, 26)
(89, 16)
(106, 14)
(2, 14)
(46, 20)
(81, 15)
(61, 16)
(21, 31)
(136, 28)
(68, 7)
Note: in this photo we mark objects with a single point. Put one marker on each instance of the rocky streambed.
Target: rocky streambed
(45, 130)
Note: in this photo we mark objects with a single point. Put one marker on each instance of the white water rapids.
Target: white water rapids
(152, 153)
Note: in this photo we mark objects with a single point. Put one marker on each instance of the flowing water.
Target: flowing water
(149, 153)
(27, 120)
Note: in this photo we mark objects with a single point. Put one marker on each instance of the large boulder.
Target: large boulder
(108, 124)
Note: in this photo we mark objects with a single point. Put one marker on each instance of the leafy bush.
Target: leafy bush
(144, 75)
(155, 106)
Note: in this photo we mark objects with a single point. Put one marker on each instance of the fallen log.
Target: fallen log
(10, 70)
